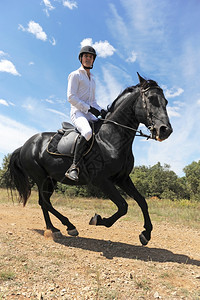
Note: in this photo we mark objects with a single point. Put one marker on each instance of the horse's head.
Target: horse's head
(152, 109)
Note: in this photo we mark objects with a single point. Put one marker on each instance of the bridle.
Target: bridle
(149, 113)
(150, 116)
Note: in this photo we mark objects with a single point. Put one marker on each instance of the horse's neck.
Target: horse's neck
(124, 113)
(120, 128)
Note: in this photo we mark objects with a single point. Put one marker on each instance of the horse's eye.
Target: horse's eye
(154, 100)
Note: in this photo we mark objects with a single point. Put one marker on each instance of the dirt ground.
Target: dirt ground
(101, 263)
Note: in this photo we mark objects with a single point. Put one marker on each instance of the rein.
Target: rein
(140, 133)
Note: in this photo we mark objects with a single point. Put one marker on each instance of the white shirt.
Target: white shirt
(81, 91)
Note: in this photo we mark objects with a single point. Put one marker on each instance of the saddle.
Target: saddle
(63, 142)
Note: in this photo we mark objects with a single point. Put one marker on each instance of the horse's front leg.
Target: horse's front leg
(110, 190)
(128, 186)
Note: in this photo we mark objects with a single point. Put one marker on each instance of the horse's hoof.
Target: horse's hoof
(72, 232)
(93, 220)
(143, 240)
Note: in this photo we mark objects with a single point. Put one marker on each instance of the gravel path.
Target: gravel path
(99, 264)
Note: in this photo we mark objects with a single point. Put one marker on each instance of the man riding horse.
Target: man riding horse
(84, 107)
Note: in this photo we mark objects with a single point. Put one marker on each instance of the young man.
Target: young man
(84, 107)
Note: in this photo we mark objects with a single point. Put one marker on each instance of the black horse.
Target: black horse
(108, 163)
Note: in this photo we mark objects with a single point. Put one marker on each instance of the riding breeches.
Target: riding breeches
(81, 122)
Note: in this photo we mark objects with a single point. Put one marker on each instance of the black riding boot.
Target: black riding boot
(73, 171)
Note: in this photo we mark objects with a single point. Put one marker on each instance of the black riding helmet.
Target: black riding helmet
(87, 49)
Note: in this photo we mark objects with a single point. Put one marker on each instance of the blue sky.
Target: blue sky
(39, 45)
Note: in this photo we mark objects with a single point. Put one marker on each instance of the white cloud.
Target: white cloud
(198, 102)
(70, 4)
(86, 42)
(173, 92)
(31, 63)
(4, 102)
(16, 132)
(49, 101)
(103, 49)
(173, 111)
(132, 58)
(57, 112)
(8, 66)
(48, 6)
(177, 109)
(52, 41)
(2, 53)
(20, 27)
(29, 107)
(35, 29)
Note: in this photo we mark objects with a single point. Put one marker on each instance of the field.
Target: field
(101, 263)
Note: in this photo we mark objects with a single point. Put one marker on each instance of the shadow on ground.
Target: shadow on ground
(111, 249)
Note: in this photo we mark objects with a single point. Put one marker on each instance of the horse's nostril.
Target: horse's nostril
(165, 131)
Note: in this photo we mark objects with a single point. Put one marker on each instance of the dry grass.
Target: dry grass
(182, 212)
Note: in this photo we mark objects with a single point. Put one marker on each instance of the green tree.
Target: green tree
(5, 180)
(140, 178)
(192, 174)
(159, 181)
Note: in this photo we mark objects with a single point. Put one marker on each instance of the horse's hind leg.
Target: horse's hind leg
(49, 189)
(46, 187)
(45, 192)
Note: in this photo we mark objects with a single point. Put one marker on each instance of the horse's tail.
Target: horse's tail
(18, 177)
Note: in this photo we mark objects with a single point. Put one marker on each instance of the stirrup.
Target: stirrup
(72, 173)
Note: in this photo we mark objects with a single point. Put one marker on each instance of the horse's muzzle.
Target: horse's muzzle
(162, 133)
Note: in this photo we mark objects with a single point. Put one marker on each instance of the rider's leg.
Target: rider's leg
(81, 146)
(83, 126)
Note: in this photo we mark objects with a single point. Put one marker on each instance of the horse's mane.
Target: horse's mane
(144, 85)
(126, 91)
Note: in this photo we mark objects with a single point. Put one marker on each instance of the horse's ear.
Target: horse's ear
(141, 79)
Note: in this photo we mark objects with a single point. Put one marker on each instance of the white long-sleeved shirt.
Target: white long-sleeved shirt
(81, 91)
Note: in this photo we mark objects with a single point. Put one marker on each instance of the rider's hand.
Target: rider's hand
(94, 111)
(103, 113)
